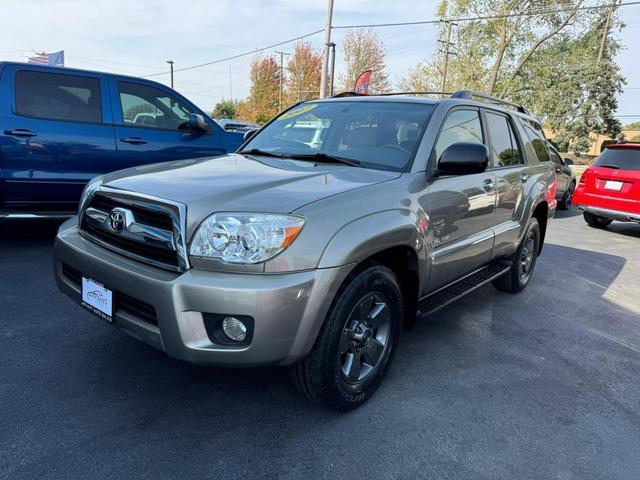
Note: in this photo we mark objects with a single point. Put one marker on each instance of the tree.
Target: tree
(262, 102)
(549, 55)
(632, 126)
(225, 109)
(363, 50)
(304, 72)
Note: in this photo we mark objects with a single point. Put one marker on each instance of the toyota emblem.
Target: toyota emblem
(116, 221)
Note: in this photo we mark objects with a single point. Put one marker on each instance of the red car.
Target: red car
(610, 188)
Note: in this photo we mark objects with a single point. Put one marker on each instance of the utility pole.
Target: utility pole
(327, 41)
(333, 67)
(170, 62)
(230, 85)
(282, 54)
(605, 33)
(447, 52)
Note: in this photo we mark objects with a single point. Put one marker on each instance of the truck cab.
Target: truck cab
(60, 127)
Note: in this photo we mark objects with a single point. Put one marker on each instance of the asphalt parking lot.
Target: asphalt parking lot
(544, 384)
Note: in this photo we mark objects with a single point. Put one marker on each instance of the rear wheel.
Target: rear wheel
(567, 198)
(356, 342)
(524, 262)
(596, 221)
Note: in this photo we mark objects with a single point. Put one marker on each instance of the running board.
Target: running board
(452, 292)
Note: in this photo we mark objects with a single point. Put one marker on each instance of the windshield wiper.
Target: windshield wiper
(264, 153)
(615, 167)
(323, 157)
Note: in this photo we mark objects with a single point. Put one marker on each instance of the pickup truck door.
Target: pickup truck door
(461, 208)
(55, 135)
(151, 125)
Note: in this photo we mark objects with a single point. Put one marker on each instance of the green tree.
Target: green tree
(225, 109)
(363, 50)
(549, 55)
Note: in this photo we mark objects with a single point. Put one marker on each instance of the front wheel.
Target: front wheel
(524, 261)
(356, 343)
(596, 221)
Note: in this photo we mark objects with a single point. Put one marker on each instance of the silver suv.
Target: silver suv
(315, 255)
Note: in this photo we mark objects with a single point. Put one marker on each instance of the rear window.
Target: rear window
(619, 159)
(55, 96)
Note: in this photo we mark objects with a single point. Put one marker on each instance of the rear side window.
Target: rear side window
(504, 146)
(460, 126)
(535, 143)
(56, 96)
(555, 158)
(619, 159)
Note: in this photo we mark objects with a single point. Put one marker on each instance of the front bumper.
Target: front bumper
(287, 309)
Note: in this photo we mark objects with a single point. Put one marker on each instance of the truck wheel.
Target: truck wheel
(567, 198)
(524, 262)
(356, 343)
(596, 221)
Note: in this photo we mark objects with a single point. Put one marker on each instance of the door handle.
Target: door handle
(20, 132)
(524, 177)
(133, 140)
(488, 185)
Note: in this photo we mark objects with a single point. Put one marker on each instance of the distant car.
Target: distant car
(61, 127)
(566, 178)
(610, 189)
(231, 124)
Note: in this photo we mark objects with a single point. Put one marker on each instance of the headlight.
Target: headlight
(245, 237)
(88, 191)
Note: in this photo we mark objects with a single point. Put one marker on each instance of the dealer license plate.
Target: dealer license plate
(613, 185)
(97, 299)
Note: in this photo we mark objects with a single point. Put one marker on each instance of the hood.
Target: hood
(242, 183)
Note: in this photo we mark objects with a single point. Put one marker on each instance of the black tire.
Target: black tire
(567, 198)
(322, 376)
(596, 221)
(524, 261)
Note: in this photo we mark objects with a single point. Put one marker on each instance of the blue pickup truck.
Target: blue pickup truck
(60, 127)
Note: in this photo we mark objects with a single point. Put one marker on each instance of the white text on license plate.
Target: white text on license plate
(613, 185)
(97, 298)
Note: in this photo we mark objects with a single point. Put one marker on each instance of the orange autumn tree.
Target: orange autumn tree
(303, 74)
(262, 102)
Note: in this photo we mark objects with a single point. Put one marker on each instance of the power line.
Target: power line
(252, 52)
(485, 17)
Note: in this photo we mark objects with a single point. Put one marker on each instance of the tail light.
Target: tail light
(551, 192)
(586, 174)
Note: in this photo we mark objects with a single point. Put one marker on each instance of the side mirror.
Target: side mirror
(249, 134)
(567, 161)
(463, 158)
(197, 123)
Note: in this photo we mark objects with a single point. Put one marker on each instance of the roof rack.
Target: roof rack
(462, 94)
(389, 94)
(470, 95)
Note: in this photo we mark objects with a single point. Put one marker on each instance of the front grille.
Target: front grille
(122, 302)
(140, 246)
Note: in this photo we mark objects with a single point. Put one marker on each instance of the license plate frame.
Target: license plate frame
(97, 299)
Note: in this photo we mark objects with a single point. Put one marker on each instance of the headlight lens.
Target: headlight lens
(88, 190)
(245, 237)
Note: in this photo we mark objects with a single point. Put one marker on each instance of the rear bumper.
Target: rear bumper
(611, 214)
(170, 311)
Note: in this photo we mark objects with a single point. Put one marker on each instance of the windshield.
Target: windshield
(620, 158)
(381, 135)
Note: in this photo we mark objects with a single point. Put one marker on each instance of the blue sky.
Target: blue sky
(137, 37)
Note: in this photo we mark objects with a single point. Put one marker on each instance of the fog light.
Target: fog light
(234, 329)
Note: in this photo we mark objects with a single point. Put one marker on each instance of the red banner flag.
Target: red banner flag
(362, 83)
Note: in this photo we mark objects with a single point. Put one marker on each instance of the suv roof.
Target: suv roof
(464, 97)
